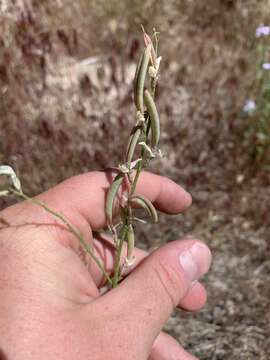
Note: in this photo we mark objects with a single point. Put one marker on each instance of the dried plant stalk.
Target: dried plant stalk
(146, 129)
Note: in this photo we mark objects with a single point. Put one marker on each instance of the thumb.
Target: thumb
(146, 298)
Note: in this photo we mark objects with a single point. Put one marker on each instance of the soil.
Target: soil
(61, 115)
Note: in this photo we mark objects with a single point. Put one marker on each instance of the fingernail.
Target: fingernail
(195, 261)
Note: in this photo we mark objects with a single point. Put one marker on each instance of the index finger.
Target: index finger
(84, 196)
(87, 195)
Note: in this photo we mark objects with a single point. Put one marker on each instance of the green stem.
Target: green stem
(70, 227)
(141, 163)
(116, 276)
(138, 172)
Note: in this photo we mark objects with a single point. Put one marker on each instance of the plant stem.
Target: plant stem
(138, 172)
(127, 218)
(141, 163)
(117, 274)
(70, 227)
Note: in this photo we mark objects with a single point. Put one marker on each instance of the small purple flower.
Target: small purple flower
(266, 66)
(262, 31)
(249, 106)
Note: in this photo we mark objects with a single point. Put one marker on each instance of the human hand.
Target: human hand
(50, 303)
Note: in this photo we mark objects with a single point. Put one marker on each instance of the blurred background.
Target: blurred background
(66, 107)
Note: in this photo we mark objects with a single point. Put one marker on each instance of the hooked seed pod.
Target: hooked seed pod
(134, 138)
(111, 197)
(136, 75)
(140, 79)
(154, 118)
(146, 204)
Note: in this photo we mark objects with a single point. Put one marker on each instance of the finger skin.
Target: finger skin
(167, 196)
(73, 197)
(85, 195)
(70, 198)
(167, 348)
(91, 189)
(155, 288)
(61, 324)
(195, 298)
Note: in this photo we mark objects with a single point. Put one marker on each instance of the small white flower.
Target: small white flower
(262, 31)
(249, 106)
(266, 66)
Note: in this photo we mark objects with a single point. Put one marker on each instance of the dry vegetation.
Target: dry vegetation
(60, 116)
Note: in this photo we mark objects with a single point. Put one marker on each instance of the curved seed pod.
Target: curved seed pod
(134, 138)
(136, 74)
(154, 118)
(111, 196)
(141, 79)
(130, 241)
(146, 204)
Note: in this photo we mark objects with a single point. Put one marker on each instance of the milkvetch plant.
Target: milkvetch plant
(122, 199)
(145, 136)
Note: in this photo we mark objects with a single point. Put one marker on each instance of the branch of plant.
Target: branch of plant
(144, 119)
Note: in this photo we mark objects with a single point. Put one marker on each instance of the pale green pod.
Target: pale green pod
(154, 118)
(138, 95)
(111, 196)
(136, 75)
(146, 204)
(130, 241)
(134, 138)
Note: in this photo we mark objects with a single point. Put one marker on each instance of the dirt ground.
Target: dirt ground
(61, 115)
